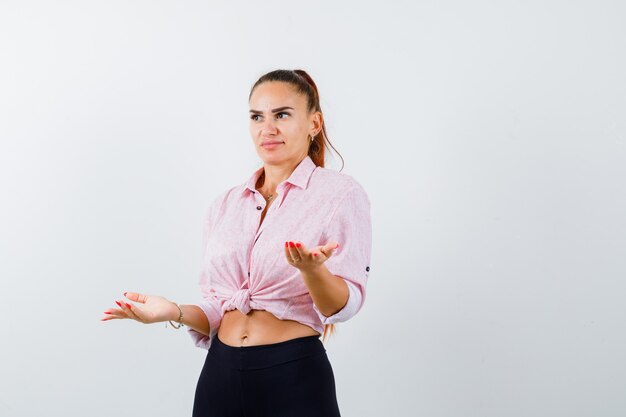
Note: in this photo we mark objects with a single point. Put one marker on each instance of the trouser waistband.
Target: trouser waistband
(265, 356)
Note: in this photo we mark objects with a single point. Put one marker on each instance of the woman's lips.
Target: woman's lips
(271, 145)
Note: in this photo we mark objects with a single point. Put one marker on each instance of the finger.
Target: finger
(114, 313)
(108, 314)
(293, 252)
(288, 252)
(302, 250)
(329, 248)
(135, 296)
(126, 308)
(111, 317)
(122, 311)
(133, 313)
(297, 253)
(331, 245)
(137, 313)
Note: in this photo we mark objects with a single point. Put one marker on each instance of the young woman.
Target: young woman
(286, 255)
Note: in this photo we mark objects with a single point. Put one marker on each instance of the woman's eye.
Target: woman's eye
(256, 115)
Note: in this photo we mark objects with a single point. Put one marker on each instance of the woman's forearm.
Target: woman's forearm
(329, 292)
(193, 317)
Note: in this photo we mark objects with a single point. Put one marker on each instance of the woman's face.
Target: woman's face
(278, 114)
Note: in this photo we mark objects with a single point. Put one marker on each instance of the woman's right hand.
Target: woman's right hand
(154, 309)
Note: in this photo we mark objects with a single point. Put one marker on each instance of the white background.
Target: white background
(490, 136)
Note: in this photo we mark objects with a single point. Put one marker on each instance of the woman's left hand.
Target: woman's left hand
(304, 259)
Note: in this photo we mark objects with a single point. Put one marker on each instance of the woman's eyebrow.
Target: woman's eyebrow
(276, 110)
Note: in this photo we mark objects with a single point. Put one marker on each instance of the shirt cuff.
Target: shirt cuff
(214, 316)
(348, 311)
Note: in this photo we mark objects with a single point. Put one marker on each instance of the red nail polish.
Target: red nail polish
(118, 303)
(291, 244)
(106, 312)
(127, 305)
(125, 293)
(286, 244)
(314, 254)
(298, 245)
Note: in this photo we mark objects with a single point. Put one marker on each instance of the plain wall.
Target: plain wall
(490, 136)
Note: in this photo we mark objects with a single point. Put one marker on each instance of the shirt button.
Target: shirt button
(259, 207)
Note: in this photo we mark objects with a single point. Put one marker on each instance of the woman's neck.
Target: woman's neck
(273, 175)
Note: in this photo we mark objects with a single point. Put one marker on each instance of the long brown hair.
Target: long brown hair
(303, 84)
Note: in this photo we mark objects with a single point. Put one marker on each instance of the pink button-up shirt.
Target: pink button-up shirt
(244, 265)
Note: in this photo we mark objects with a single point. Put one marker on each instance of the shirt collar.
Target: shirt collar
(299, 177)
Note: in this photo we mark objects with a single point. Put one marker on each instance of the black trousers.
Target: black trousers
(293, 378)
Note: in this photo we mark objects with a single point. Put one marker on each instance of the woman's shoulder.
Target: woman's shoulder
(340, 181)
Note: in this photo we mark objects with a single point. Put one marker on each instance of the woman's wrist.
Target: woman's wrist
(179, 317)
(175, 312)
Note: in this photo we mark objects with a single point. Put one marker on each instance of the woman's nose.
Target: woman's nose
(269, 126)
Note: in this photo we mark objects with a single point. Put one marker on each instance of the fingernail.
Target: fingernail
(125, 293)
(127, 305)
(314, 254)
(106, 312)
(291, 244)
(286, 244)
(298, 245)
(118, 303)
(337, 246)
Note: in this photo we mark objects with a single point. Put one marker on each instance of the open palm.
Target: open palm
(151, 309)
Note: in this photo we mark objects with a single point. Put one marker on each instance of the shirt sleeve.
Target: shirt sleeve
(209, 303)
(351, 227)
